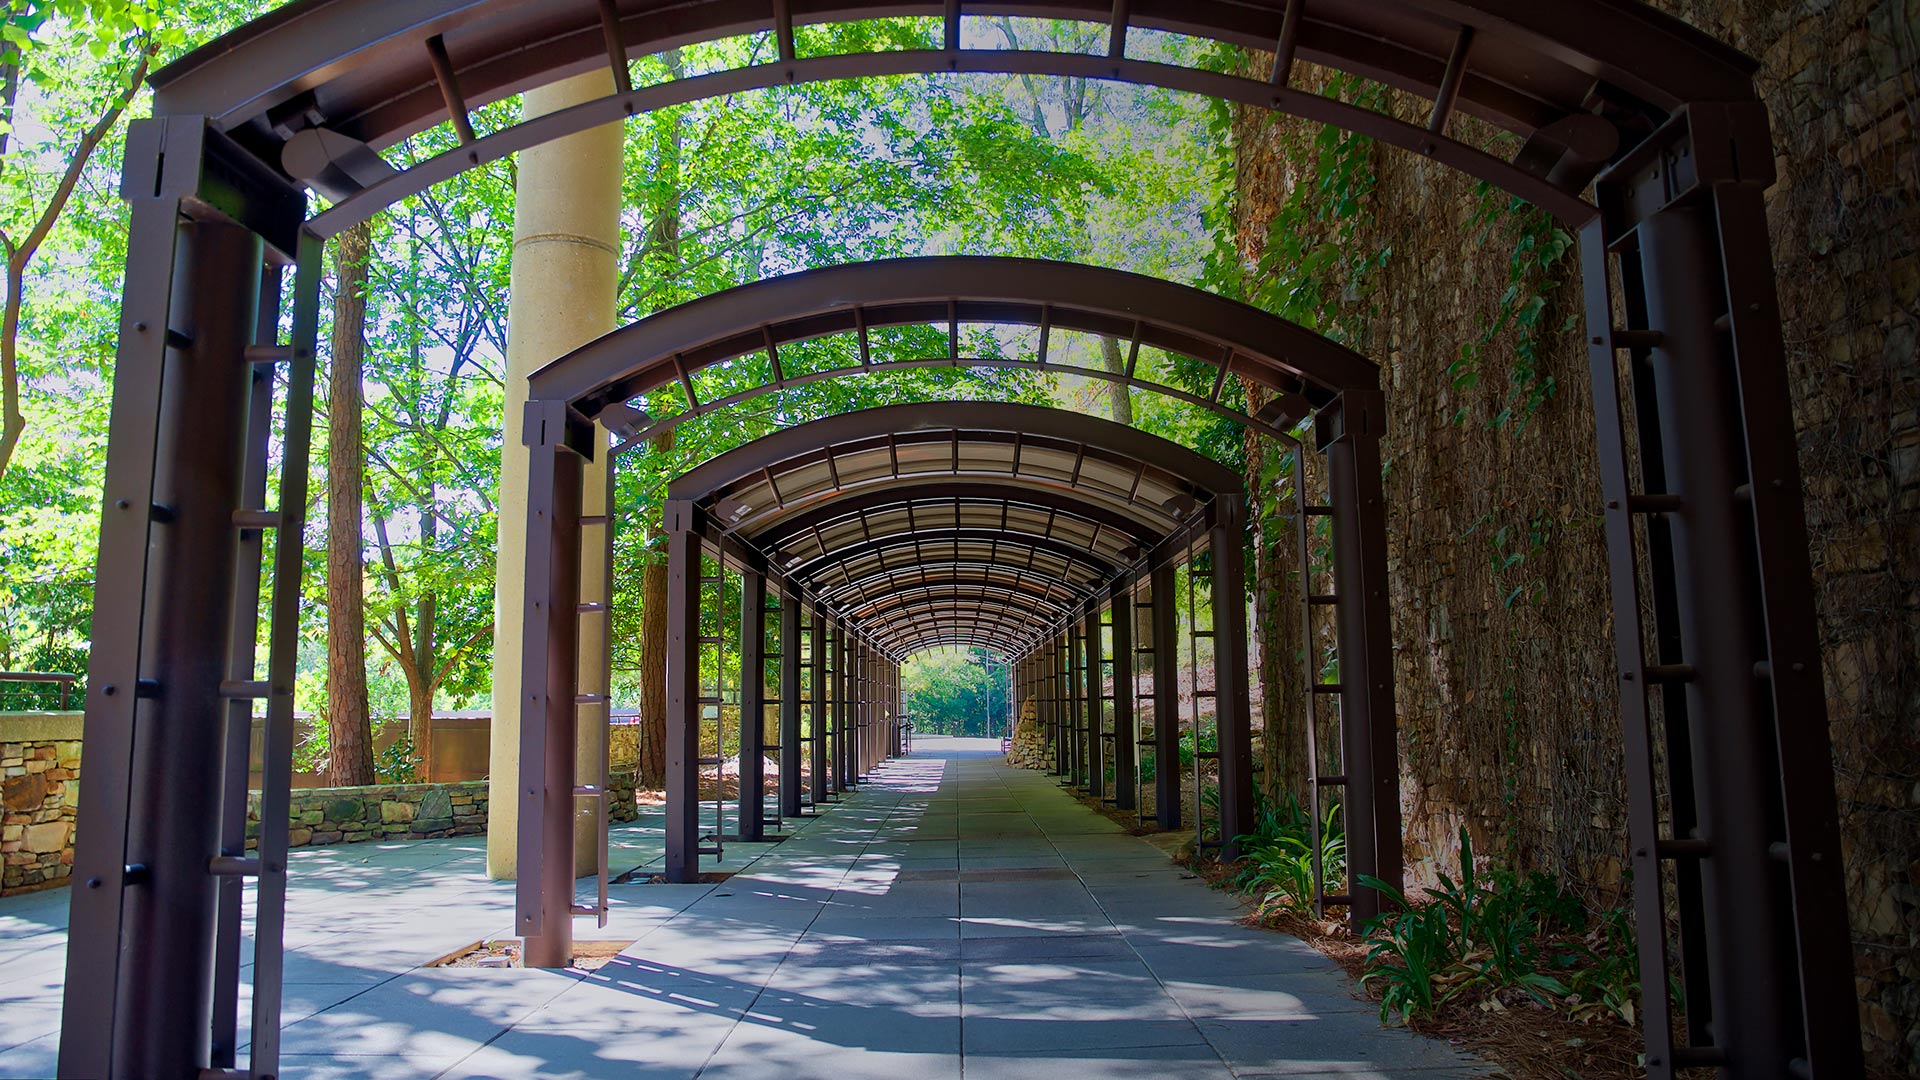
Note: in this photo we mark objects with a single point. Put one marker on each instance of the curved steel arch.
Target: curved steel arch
(316, 87)
(669, 347)
(974, 490)
(1663, 121)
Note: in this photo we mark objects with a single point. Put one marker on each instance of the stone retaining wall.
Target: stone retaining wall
(352, 815)
(39, 789)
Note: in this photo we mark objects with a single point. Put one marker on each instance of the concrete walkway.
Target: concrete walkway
(954, 917)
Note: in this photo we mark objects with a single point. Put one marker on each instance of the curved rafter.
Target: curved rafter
(862, 512)
(316, 88)
(1299, 368)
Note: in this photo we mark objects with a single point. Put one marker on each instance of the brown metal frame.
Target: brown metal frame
(1665, 118)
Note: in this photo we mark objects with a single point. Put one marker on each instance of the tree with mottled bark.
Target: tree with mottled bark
(349, 728)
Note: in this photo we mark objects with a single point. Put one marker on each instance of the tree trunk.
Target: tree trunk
(653, 675)
(663, 267)
(420, 718)
(349, 730)
(1119, 394)
(420, 690)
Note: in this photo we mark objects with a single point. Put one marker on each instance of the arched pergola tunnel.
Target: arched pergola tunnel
(1644, 135)
(1013, 527)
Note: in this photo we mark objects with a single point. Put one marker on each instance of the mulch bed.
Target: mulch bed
(1527, 1040)
(505, 953)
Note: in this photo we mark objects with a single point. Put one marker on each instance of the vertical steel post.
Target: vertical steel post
(241, 668)
(1232, 706)
(1063, 698)
(283, 656)
(1126, 769)
(683, 697)
(1096, 746)
(790, 747)
(1758, 880)
(153, 909)
(1349, 432)
(752, 807)
(549, 685)
(819, 703)
(1166, 698)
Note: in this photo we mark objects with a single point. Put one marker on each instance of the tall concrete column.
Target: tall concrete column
(566, 247)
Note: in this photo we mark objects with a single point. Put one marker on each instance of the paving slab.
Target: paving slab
(954, 918)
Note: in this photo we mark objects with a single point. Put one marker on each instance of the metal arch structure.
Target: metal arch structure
(1643, 134)
(978, 561)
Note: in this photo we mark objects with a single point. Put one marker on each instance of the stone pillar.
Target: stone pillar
(565, 270)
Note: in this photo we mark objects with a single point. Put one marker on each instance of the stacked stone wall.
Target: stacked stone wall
(1508, 717)
(351, 815)
(1029, 748)
(39, 790)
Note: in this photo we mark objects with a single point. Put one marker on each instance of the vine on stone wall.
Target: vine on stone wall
(1534, 273)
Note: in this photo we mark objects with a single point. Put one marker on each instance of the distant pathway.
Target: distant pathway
(955, 917)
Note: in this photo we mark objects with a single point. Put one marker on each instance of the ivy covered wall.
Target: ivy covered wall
(1503, 632)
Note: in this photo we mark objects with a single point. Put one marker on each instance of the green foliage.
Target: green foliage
(956, 692)
(1276, 859)
(717, 193)
(398, 763)
(1535, 271)
(1498, 931)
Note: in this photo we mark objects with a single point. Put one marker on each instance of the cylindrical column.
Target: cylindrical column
(164, 1009)
(565, 251)
(818, 711)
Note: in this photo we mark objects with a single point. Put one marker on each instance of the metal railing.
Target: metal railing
(62, 679)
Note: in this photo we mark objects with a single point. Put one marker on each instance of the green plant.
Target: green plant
(398, 763)
(1411, 949)
(1500, 930)
(1605, 974)
(1276, 859)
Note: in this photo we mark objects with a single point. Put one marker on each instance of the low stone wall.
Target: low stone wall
(39, 789)
(350, 815)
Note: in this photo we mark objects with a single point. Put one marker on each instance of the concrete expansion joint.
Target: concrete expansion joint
(564, 238)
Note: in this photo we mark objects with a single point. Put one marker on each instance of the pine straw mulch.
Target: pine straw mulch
(1528, 1041)
(657, 797)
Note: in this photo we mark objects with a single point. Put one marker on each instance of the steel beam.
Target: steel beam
(549, 686)
(1350, 433)
(752, 807)
(1166, 698)
(152, 911)
(1126, 733)
(1232, 711)
(683, 703)
(791, 748)
(1096, 746)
